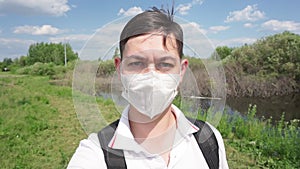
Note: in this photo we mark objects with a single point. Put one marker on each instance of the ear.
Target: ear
(117, 65)
(183, 65)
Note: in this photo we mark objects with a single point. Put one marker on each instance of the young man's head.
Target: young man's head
(151, 65)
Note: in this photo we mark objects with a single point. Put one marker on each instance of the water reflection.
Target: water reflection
(268, 107)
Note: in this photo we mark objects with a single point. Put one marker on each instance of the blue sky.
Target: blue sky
(230, 23)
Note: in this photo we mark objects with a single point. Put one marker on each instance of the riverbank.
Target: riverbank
(39, 127)
(242, 84)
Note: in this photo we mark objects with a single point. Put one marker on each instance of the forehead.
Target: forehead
(151, 43)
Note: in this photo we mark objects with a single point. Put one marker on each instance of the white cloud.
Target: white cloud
(193, 26)
(196, 43)
(216, 29)
(75, 37)
(8, 41)
(275, 25)
(184, 8)
(197, 2)
(77, 41)
(35, 7)
(102, 43)
(131, 11)
(13, 47)
(250, 13)
(248, 25)
(37, 30)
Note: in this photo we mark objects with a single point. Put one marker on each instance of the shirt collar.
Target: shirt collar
(123, 137)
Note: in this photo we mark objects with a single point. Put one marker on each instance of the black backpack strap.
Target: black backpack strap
(208, 143)
(114, 158)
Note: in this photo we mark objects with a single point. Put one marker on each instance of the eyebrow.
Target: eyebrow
(164, 58)
(137, 57)
(142, 58)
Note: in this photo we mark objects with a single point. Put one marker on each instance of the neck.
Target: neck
(142, 127)
(156, 135)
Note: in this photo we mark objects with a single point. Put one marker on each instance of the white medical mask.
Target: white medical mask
(150, 93)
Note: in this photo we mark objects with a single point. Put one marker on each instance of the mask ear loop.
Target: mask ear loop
(125, 87)
(180, 73)
(179, 80)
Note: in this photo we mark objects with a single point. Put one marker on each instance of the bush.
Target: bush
(106, 68)
(42, 69)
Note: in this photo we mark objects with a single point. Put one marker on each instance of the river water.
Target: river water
(272, 107)
(268, 107)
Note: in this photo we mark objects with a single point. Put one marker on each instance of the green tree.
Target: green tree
(224, 51)
(23, 61)
(277, 55)
(50, 52)
(7, 62)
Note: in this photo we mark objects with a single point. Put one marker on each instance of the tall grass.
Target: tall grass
(270, 145)
(257, 143)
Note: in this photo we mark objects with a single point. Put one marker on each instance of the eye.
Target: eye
(136, 64)
(165, 65)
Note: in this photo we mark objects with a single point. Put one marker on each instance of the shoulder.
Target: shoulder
(91, 144)
(88, 154)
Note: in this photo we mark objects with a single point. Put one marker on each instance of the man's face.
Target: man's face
(147, 52)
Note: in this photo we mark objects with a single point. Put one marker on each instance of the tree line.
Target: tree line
(277, 55)
(42, 53)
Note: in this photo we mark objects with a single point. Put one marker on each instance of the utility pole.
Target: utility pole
(65, 53)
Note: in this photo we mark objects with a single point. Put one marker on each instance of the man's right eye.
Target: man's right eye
(136, 64)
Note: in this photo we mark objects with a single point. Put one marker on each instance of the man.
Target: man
(152, 132)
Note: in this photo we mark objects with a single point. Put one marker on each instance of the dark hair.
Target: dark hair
(153, 20)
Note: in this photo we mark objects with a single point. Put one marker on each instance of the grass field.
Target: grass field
(39, 127)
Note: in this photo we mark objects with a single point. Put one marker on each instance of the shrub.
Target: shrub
(106, 68)
(42, 69)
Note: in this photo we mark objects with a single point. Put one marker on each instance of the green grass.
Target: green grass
(268, 145)
(39, 129)
(38, 125)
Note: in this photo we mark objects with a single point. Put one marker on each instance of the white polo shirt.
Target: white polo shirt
(185, 152)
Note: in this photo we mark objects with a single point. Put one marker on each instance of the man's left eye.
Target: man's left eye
(165, 65)
(135, 64)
